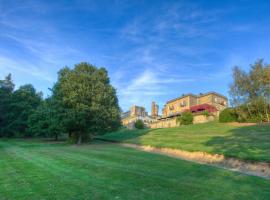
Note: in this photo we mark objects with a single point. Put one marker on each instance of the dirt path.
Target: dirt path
(260, 169)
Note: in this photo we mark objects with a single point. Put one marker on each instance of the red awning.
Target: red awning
(203, 107)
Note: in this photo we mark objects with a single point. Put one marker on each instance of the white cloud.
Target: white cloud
(8, 65)
(146, 87)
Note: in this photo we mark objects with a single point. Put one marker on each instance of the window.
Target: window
(183, 104)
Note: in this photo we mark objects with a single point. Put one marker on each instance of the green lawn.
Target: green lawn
(249, 143)
(41, 170)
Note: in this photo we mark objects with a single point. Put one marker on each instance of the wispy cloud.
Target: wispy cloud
(148, 86)
(8, 65)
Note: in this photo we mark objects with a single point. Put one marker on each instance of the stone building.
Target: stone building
(136, 112)
(196, 104)
(211, 102)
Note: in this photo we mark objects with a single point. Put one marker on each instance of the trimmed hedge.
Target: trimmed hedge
(186, 118)
(139, 124)
(228, 115)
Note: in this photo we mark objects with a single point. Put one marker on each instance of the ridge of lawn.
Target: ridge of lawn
(247, 143)
(43, 170)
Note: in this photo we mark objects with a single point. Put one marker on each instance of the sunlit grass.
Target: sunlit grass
(39, 170)
(250, 143)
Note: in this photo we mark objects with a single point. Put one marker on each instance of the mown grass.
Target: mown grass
(248, 143)
(38, 170)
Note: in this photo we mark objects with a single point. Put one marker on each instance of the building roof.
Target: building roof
(183, 96)
(205, 94)
(197, 96)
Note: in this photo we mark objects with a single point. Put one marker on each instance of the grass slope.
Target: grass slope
(249, 143)
(35, 170)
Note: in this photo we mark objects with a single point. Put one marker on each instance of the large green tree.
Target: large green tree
(250, 91)
(46, 120)
(22, 104)
(89, 101)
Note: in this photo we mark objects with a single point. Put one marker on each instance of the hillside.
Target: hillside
(248, 143)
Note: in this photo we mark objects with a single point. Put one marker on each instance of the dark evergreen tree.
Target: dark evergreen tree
(6, 90)
(22, 104)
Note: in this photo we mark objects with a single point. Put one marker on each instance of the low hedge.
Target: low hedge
(228, 115)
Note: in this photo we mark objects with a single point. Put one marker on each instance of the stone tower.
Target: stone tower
(154, 109)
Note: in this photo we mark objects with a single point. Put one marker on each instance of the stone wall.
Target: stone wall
(172, 122)
(198, 119)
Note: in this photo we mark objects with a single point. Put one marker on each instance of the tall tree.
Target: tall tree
(6, 90)
(46, 120)
(88, 99)
(23, 103)
(252, 90)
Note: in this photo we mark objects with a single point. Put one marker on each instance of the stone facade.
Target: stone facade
(154, 110)
(135, 113)
(211, 102)
(185, 102)
(172, 122)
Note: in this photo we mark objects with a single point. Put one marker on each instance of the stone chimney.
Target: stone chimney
(154, 109)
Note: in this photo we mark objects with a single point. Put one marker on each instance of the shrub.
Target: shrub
(206, 113)
(186, 118)
(228, 115)
(139, 124)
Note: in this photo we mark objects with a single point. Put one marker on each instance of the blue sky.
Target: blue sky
(153, 50)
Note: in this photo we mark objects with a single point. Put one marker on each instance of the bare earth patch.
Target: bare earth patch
(260, 169)
(237, 124)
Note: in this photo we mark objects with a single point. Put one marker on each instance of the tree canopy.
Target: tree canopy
(250, 91)
(83, 103)
(89, 100)
(16, 107)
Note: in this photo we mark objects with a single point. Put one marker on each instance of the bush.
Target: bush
(186, 118)
(228, 115)
(139, 124)
(206, 113)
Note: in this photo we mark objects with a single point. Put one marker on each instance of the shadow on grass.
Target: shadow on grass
(249, 143)
(124, 135)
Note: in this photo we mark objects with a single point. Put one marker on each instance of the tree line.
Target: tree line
(82, 104)
(250, 94)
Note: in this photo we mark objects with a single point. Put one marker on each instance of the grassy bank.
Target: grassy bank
(248, 143)
(38, 170)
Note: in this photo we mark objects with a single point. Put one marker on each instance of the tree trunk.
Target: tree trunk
(266, 110)
(268, 120)
(249, 111)
(79, 139)
(56, 137)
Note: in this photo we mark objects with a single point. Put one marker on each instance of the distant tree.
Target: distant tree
(89, 101)
(23, 103)
(46, 120)
(185, 119)
(252, 89)
(38, 123)
(6, 90)
(139, 124)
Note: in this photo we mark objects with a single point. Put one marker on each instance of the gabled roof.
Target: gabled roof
(197, 96)
(215, 93)
(183, 96)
